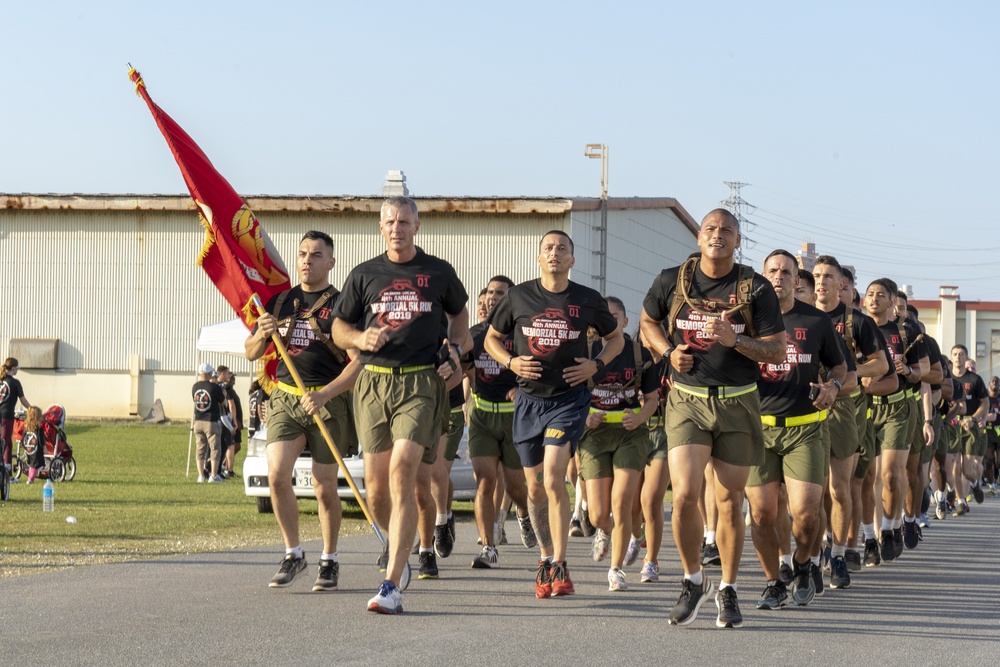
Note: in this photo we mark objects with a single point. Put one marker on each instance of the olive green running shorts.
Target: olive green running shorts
(792, 452)
(411, 406)
(730, 426)
(611, 447)
(287, 420)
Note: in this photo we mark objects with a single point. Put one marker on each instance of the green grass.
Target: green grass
(132, 502)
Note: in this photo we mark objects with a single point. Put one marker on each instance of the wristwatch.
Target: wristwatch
(739, 339)
(600, 365)
(840, 385)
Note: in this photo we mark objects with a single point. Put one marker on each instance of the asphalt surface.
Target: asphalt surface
(935, 605)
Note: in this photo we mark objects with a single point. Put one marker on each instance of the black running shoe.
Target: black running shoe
(711, 556)
(817, 576)
(853, 558)
(803, 587)
(585, 525)
(775, 595)
(729, 608)
(326, 579)
(443, 541)
(451, 527)
(872, 557)
(786, 574)
(897, 541)
(839, 576)
(977, 493)
(910, 536)
(950, 498)
(290, 566)
(690, 601)
(888, 549)
(428, 567)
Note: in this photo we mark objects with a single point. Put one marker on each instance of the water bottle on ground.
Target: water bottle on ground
(48, 496)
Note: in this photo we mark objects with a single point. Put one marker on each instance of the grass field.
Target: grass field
(132, 501)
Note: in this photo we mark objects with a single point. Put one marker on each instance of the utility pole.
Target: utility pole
(739, 207)
(601, 151)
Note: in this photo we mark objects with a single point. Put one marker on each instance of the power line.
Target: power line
(738, 206)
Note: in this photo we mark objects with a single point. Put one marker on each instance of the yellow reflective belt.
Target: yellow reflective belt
(490, 406)
(654, 422)
(720, 392)
(856, 393)
(891, 398)
(869, 415)
(613, 416)
(396, 370)
(295, 391)
(771, 420)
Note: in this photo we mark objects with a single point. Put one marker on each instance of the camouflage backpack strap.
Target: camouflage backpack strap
(276, 313)
(744, 298)
(685, 276)
(640, 367)
(849, 332)
(338, 354)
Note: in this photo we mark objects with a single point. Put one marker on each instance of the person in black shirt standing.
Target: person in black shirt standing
(208, 399)
(392, 309)
(549, 318)
(722, 320)
(302, 316)
(10, 392)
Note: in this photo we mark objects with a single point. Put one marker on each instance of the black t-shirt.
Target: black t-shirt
(238, 404)
(551, 327)
(866, 340)
(254, 405)
(34, 446)
(810, 341)
(208, 399)
(410, 298)
(714, 365)
(972, 391)
(10, 392)
(493, 381)
(893, 339)
(313, 359)
(615, 388)
(934, 354)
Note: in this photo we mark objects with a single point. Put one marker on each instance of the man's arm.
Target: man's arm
(525, 367)
(256, 343)
(875, 366)
(935, 374)
(345, 336)
(312, 401)
(585, 369)
(766, 350)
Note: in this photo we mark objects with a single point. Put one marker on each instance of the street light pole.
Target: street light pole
(596, 151)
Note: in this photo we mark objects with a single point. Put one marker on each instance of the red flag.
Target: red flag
(238, 256)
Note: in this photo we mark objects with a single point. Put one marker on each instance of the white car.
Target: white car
(255, 473)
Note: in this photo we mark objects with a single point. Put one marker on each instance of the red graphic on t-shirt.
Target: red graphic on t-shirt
(30, 443)
(399, 303)
(202, 400)
(793, 357)
(968, 390)
(487, 368)
(547, 332)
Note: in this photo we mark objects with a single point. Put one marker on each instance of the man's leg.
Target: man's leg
(403, 467)
(893, 482)
(623, 490)
(687, 473)
(653, 491)
(485, 470)
(730, 485)
(841, 508)
(914, 486)
(763, 512)
(281, 457)
(556, 459)
(538, 508)
(330, 510)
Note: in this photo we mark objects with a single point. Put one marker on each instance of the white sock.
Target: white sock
(426, 551)
(897, 523)
(440, 519)
(786, 559)
(326, 556)
(815, 560)
(723, 584)
(838, 550)
(296, 551)
(886, 523)
(909, 519)
(697, 578)
(869, 530)
(709, 537)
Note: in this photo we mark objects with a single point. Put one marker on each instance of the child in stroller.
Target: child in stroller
(42, 449)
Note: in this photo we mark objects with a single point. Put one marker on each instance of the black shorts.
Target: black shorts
(542, 422)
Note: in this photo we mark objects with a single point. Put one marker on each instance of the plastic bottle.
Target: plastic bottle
(48, 496)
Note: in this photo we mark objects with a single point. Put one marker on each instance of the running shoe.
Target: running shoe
(502, 537)
(888, 549)
(443, 541)
(487, 558)
(616, 580)
(817, 575)
(290, 566)
(897, 541)
(853, 558)
(650, 572)
(528, 538)
(326, 579)
(910, 537)
(951, 497)
(941, 511)
(601, 543)
(632, 553)
(451, 527)
(961, 509)
(977, 493)
(803, 587)
(872, 556)
(840, 577)
(388, 600)
(993, 491)
(711, 556)
(575, 528)
(428, 567)
(729, 608)
(543, 580)
(775, 595)
(383, 560)
(923, 521)
(561, 583)
(786, 574)
(691, 598)
(826, 554)
(588, 528)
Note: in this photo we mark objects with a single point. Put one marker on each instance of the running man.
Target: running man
(976, 399)
(549, 318)
(391, 309)
(722, 320)
(302, 316)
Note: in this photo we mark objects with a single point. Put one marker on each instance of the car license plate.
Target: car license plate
(303, 479)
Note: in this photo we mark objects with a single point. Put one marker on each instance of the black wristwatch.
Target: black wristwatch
(840, 385)
(600, 365)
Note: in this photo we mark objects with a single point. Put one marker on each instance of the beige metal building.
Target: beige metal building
(102, 299)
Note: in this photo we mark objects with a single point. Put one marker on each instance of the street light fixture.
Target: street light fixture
(600, 151)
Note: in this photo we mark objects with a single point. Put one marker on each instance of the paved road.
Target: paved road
(937, 605)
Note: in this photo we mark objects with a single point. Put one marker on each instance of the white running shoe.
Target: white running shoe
(616, 580)
(650, 572)
(601, 543)
(388, 600)
(487, 558)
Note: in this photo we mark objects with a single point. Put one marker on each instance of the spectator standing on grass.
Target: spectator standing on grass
(208, 399)
(10, 393)
(33, 442)
(255, 408)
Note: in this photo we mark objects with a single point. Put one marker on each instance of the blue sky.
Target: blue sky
(867, 128)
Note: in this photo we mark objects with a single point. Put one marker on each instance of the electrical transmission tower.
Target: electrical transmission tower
(739, 207)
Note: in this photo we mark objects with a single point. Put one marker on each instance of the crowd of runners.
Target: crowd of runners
(824, 418)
